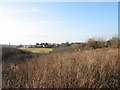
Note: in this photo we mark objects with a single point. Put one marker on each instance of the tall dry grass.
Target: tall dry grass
(80, 69)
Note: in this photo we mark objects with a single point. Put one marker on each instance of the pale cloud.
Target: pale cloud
(17, 30)
(10, 27)
(9, 10)
(23, 11)
(46, 22)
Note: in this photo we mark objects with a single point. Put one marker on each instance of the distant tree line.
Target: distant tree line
(91, 43)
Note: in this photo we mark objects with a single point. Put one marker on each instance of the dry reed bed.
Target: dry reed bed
(81, 69)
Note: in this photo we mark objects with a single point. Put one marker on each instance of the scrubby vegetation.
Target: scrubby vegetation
(94, 64)
(13, 55)
(92, 43)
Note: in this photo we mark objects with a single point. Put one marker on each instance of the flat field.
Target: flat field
(37, 50)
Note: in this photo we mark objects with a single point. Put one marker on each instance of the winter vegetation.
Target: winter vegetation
(94, 64)
(57, 44)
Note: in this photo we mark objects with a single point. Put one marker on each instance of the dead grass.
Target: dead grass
(80, 69)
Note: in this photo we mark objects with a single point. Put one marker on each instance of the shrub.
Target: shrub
(114, 42)
(92, 44)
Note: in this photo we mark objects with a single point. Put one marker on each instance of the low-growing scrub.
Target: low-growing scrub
(13, 55)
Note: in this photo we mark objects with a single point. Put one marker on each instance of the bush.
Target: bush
(92, 44)
(114, 42)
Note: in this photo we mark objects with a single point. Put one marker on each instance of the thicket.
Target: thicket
(93, 43)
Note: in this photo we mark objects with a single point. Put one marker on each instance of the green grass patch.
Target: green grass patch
(38, 50)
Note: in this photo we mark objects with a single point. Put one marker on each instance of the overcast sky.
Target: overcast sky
(56, 22)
